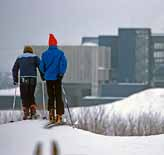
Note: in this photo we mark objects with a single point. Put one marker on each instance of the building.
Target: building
(110, 67)
(137, 62)
(134, 50)
(88, 67)
(112, 42)
(134, 55)
(158, 59)
(90, 40)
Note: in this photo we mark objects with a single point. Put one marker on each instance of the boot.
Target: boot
(58, 119)
(52, 115)
(33, 111)
(26, 113)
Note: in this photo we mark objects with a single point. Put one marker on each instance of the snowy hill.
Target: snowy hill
(20, 138)
(138, 115)
(150, 100)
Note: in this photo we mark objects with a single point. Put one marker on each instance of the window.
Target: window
(159, 45)
(158, 54)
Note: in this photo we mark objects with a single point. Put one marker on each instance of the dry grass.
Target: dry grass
(98, 121)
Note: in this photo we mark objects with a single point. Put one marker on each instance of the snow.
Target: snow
(150, 100)
(101, 98)
(20, 138)
(9, 92)
(89, 44)
(130, 83)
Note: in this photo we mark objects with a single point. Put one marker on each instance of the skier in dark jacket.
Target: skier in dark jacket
(53, 65)
(27, 64)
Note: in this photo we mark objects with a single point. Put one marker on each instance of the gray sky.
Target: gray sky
(30, 21)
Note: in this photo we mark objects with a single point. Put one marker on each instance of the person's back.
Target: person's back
(27, 64)
(53, 65)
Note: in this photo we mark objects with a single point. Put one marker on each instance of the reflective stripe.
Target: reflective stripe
(28, 76)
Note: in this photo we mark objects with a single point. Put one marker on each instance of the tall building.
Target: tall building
(112, 42)
(134, 50)
(131, 54)
(158, 58)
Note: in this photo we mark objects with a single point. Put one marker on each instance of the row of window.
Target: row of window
(158, 54)
(158, 45)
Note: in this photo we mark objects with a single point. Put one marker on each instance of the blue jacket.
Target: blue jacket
(27, 63)
(53, 63)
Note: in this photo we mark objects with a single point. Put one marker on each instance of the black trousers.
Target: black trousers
(54, 91)
(27, 90)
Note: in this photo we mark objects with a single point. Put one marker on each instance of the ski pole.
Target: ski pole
(44, 106)
(66, 103)
(14, 102)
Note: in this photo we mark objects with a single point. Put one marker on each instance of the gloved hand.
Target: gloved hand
(42, 76)
(60, 76)
(15, 83)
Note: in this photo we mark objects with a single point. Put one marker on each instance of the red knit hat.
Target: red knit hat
(52, 40)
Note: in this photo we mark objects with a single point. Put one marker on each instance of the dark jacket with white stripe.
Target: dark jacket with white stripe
(27, 64)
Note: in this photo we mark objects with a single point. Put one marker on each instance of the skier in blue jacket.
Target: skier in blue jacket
(27, 63)
(53, 65)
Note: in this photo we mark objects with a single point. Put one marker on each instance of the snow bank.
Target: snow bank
(21, 138)
(150, 100)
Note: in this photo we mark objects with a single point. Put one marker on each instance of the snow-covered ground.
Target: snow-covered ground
(10, 92)
(150, 100)
(21, 138)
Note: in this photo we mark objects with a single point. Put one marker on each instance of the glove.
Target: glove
(42, 76)
(60, 77)
(15, 83)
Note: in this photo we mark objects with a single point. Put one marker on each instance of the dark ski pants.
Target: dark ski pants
(27, 90)
(54, 91)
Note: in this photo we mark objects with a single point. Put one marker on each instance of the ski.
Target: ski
(33, 117)
(50, 125)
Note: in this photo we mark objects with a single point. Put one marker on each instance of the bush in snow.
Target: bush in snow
(92, 121)
(8, 116)
(98, 121)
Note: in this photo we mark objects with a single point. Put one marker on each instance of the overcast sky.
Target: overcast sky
(30, 21)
